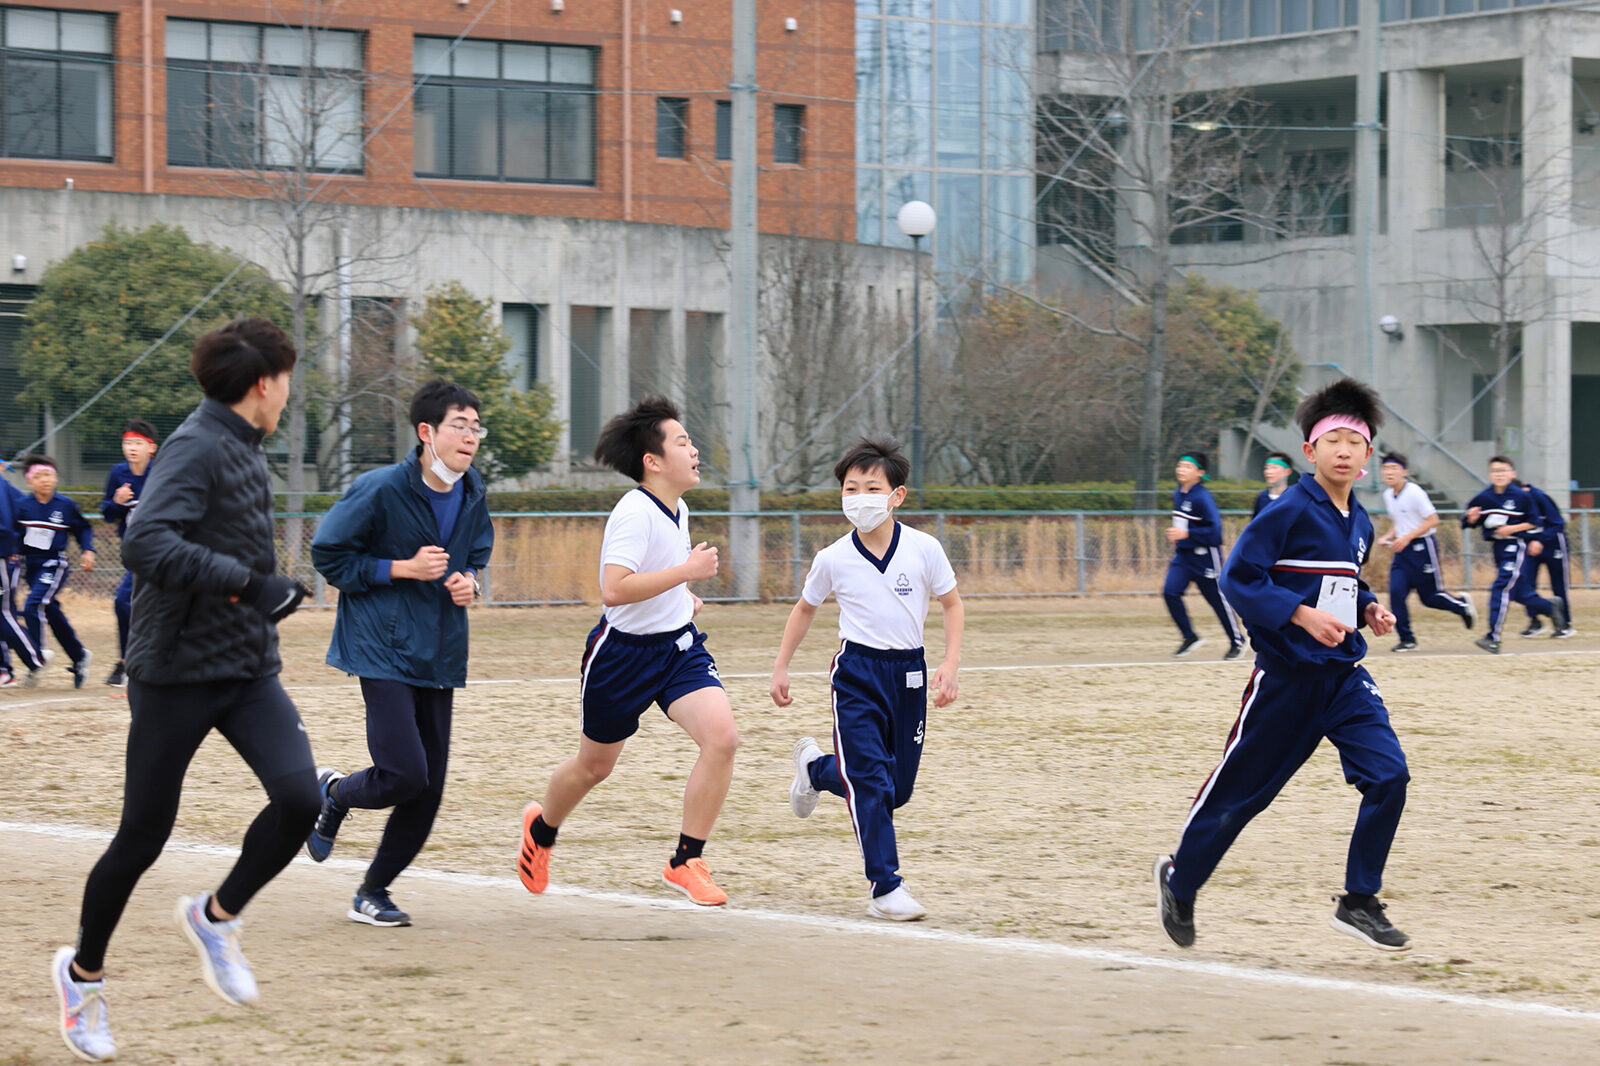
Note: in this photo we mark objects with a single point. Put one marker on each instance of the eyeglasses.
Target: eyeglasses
(463, 429)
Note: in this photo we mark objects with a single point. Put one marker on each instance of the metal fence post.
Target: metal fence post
(938, 526)
(1083, 554)
(1466, 557)
(485, 592)
(797, 579)
(1588, 581)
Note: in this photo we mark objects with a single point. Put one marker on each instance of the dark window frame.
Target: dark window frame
(724, 131)
(672, 122)
(502, 85)
(260, 71)
(785, 143)
(58, 59)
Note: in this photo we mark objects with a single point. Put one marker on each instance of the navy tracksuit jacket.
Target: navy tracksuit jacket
(1513, 578)
(1197, 559)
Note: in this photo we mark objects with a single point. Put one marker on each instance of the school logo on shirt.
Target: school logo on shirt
(921, 728)
(902, 585)
(57, 518)
(1188, 505)
(1361, 547)
(1370, 687)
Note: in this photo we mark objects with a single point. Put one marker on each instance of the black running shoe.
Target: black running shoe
(374, 907)
(1558, 614)
(1562, 634)
(119, 674)
(1405, 645)
(1368, 923)
(320, 843)
(1189, 645)
(1177, 916)
(1535, 629)
(1234, 651)
(1470, 614)
(80, 669)
(1488, 644)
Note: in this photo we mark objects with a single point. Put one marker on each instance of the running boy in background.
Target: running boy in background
(1295, 575)
(1276, 471)
(1510, 522)
(1196, 536)
(646, 649)
(13, 633)
(1412, 520)
(882, 574)
(123, 486)
(1553, 556)
(45, 522)
(404, 547)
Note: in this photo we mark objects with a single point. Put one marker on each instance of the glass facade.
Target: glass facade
(55, 84)
(944, 111)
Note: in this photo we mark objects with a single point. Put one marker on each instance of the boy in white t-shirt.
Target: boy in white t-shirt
(1415, 566)
(882, 574)
(646, 649)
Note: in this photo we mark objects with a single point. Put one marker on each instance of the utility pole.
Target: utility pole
(744, 490)
(1369, 81)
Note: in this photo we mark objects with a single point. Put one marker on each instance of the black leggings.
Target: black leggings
(169, 724)
(408, 735)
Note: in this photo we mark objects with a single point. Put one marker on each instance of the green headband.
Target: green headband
(1191, 461)
(1275, 461)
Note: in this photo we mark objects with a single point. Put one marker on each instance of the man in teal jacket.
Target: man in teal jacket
(404, 547)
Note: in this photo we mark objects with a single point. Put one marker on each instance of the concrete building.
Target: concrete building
(1485, 209)
(569, 162)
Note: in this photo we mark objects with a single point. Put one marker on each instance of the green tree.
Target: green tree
(102, 306)
(459, 339)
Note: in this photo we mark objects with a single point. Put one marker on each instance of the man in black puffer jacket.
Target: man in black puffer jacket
(203, 655)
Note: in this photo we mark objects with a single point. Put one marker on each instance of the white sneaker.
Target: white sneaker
(85, 1025)
(222, 964)
(897, 906)
(802, 796)
(1471, 617)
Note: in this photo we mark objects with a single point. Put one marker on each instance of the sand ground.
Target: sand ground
(1045, 792)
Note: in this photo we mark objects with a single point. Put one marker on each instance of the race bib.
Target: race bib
(1494, 521)
(1338, 598)
(1180, 522)
(914, 679)
(40, 537)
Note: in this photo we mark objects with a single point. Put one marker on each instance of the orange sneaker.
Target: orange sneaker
(533, 864)
(693, 879)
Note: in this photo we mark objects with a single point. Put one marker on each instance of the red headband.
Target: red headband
(138, 436)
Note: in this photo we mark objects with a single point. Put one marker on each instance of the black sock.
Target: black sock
(688, 848)
(1356, 901)
(212, 918)
(543, 833)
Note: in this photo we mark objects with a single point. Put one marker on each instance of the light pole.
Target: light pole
(916, 220)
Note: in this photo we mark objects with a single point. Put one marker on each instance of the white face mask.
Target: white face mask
(442, 472)
(866, 510)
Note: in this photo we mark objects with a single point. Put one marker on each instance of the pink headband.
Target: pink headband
(1333, 422)
(38, 466)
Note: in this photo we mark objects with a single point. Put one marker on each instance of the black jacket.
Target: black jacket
(203, 526)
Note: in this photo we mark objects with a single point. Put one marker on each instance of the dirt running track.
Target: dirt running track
(1044, 794)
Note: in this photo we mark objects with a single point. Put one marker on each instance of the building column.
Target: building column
(556, 371)
(1416, 155)
(1547, 125)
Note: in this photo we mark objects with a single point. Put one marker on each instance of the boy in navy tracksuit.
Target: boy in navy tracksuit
(404, 547)
(1278, 473)
(123, 486)
(44, 522)
(882, 575)
(1295, 575)
(1510, 522)
(1196, 536)
(1552, 556)
(13, 633)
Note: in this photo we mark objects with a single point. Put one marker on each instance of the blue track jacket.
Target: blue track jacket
(1550, 519)
(115, 513)
(1205, 521)
(1287, 556)
(407, 631)
(1514, 504)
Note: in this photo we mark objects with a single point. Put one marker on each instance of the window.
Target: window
(503, 111)
(1315, 199)
(1214, 220)
(270, 97)
(55, 84)
(1483, 408)
(724, 129)
(672, 127)
(587, 337)
(788, 132)
(521, 322)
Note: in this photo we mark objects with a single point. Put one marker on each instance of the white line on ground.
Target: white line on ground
(1019, 945)
(1238, 664)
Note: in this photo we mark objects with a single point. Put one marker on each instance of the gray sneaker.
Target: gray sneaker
(802, 796)
(221, 962)
(85, 1024)
(1177, 916)
(1558, 615)
(1488, 644)
(1367, 922)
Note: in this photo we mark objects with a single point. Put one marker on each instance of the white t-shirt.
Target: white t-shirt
(1409, 509)
(644, 536)
(882, 603)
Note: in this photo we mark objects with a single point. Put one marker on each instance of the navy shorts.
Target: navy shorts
(623, 673)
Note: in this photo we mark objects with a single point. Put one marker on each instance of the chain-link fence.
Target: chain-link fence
(553, 558)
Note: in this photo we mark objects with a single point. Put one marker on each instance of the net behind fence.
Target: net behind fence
(553, 558)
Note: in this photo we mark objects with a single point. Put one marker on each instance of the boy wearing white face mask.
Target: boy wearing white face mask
(882, 575)
(404, 547)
